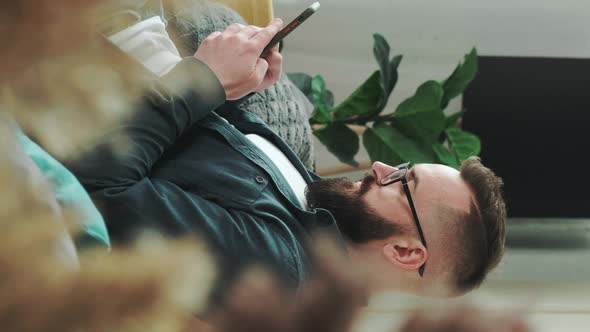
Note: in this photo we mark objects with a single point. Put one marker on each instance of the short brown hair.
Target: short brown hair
(483, 231)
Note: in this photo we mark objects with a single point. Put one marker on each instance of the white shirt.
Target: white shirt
(149, 44)
(289, 172)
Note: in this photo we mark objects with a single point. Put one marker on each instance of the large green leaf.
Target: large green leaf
(328, 98)
(445, 156)
(342, 141)
(388, 69)
(302, 81)
(463, 143)
(420, 116)
(460, 78)
(393, 77)
(363, 102)
(381, 51)
(318, 86)
(318, 93)
(393, 66)
(378, 150)
(391, 144)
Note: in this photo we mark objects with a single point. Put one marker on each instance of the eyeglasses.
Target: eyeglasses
(400, 175)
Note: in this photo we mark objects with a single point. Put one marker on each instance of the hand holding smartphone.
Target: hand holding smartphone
(281, 35)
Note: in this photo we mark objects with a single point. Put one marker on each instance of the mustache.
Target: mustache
(356, 221)
(366, 182)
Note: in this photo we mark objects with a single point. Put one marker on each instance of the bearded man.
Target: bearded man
(198, 164)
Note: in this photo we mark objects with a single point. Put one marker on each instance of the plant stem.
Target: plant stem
(362, 121)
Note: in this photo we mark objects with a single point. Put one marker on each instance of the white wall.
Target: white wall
(433, 35)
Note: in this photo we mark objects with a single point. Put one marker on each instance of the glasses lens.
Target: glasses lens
(395, 176)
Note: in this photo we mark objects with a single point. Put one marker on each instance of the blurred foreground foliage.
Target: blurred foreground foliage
(59, 79)
(62, 86)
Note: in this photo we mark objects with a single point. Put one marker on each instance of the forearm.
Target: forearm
(165, 207)
(161, 119)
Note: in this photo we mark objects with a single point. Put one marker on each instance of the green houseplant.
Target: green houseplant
(418, 130)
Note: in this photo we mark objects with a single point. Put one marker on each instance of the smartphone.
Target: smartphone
(281, 35)
(291, 26)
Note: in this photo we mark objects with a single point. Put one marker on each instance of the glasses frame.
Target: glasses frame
(401, 175)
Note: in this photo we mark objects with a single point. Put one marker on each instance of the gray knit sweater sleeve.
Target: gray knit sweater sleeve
(283, 107)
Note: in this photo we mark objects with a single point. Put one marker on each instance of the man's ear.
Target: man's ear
(408, 254)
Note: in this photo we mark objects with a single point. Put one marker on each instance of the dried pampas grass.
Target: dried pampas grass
(155, 285)
(329, 302)
(62, 81)
(148, 288)
(64, 85)
(36, 30)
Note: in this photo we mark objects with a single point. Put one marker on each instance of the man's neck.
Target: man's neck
(361, 263)
(374, 269)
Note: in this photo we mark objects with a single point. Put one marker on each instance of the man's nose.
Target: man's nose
(381, 170)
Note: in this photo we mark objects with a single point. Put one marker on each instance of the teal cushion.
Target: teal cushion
(70, 193)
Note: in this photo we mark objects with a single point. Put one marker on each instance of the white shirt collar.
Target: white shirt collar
(149, 43)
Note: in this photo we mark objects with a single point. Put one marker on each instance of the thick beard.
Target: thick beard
(356, 220)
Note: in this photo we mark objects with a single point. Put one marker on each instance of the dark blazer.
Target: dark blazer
(191, 169)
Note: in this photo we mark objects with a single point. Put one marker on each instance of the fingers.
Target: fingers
(213, 35)
(274, 58)
(261, 70)
(264, 36)
(275, 67)
(234, 57)
(273, 73)
(250, 31)
(235, 28)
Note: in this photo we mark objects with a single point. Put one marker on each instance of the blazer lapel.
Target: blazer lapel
(248, 123)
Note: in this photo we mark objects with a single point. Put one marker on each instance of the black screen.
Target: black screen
(533, 118)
